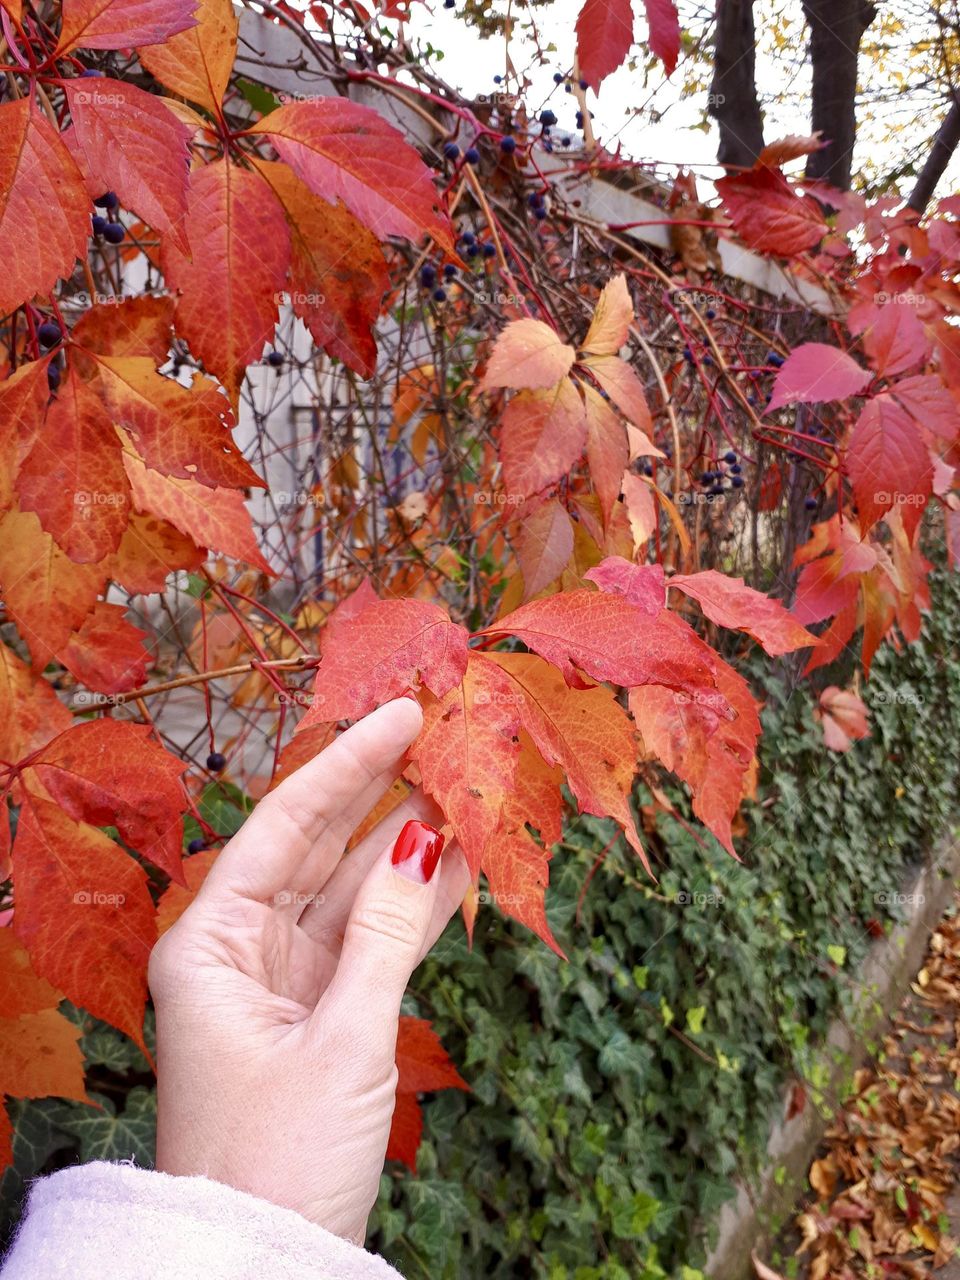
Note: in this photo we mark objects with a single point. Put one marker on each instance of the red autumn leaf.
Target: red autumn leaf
(544, 544)
(240, 247)
(338, 274)
(611, 321)
(895, 340)
(30, 711)
(730, 603)
(889, 464)
(84, 914)
(345, 151)
(128, 141)
(607, 451)
(46, 594)
(389, 648)
(585, 732)
(625, 389)
(113, 773)
(604, 38)
(528, 354)
(23, 400)
(664, 25)
(179, 431)
(838, 635)
(639, 584)
(177, 897)
(150, 550)
(768, 215)
(196, 63)
(844, 717)
(44, 205)
(134, 326)
(73, 477)
(119, 24)
(467, 752)
(214, 518)
(929, 403)
(107, 653)
(814, 372)
(606, 638)
(21, 991)
(422, 1067)
(542, 437)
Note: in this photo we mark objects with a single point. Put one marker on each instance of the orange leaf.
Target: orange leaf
(625, 389)
(23, 401)
(137, 326)
(730, 603)
(44, 205)
(107, 653)
(611, 319)
(30, 711)
(544, 546)
(345, 151)
(528, 354)
(177, 897)
(84, 914)
(607, 452)
(240, 248)
(150, 550)
(543, 435)
(119, 24)
(196, 63)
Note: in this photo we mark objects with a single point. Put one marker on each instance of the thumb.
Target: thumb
(386, 935)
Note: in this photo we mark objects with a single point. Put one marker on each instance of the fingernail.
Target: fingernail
(417, 851)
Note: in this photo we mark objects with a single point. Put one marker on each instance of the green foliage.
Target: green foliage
(615, 1098)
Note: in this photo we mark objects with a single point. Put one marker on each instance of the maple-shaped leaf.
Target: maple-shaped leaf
(40, 1056)
(345, 151)
(120, 24)
(607, 451)
(708, 740)
(586, 732)
(240, 247)
(128, 141)
(141, 325)
(606, 638)
(663, 23)
(44, 205)
(929, 403)
(107, 653)
(150, 550)
(827, 585)
(604, 37)
(639, 584)
(814, 372)
(30, 711)
(544, 545)
(895, 339)
(385, 650)
(338, 274)
(196, 63)
(84, 914)
(213, 518)
(730, 603)
(467, 752)
(423, 1066)
(113, 773)
(611, 321)
(889, 463)
(177, 430)
(767, 213)
(844, 717)
(542, 437)
(625, 389)
(73, 477)
(45, 593)
(528, 354)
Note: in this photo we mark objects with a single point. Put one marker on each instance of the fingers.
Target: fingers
(393, 921)
(296, 834)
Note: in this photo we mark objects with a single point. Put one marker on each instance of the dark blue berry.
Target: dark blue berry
(579, 119)
(730, 456)
(810, 503)
(98, 225)
(451, 150)
(647, 469)
(715, 490)
(548, 119)
(195, 846)
(428, 275)
(775, 358)
(707, 478)
(583, 83)
(539, 214)
(737, 481)
(468, 238)
(535, 199)
(688, 355)
(449, 271)
(90, 73)
(735, 469)
(449, 4)
(489, 251)
(113, 232)
(53, 376)
(274, 359)
(711, 314)
(508, 145)
(751, 399)
(107, 201)
(557, 77)
(472, 250)
(49, 333)
(498, 79)
(216, 760)
(472, 155)
(439, 295)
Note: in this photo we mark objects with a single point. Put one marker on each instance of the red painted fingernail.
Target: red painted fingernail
(417, 851)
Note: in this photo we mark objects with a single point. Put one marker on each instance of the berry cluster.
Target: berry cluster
(725, 468)
(103, 228)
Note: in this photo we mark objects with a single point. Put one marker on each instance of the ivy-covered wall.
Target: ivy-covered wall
(615, 1097)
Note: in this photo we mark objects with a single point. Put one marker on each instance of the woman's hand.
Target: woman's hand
(278, 991)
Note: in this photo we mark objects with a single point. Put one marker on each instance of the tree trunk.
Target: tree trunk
(733, 94)
(836, 29)
(943, 148)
